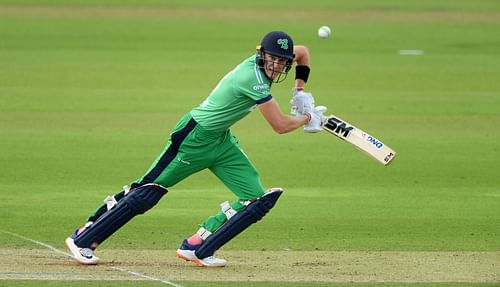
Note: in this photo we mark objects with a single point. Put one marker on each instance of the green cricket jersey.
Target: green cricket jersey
(236, 95)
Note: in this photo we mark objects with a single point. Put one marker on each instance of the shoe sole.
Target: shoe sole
(198, 262)
(68, 245)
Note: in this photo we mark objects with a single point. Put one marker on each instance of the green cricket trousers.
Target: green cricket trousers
(190, 149)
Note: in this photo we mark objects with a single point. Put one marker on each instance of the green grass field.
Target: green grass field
(89, 91)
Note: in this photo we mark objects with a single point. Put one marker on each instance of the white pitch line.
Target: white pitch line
(39, 243)
(146, 276)
(69, 255)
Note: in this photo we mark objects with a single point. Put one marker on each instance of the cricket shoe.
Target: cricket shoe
(82, 255)
(187, 252)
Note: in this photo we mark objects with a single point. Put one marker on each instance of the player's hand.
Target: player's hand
(302, 102)
(317, 119)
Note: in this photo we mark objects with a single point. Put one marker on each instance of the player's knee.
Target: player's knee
(260, 207)
(144, 197)
(258, 210)
(257, 207)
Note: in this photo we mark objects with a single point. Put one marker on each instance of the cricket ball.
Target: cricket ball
(324, 32)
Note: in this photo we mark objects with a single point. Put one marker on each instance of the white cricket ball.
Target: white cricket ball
(324, 32)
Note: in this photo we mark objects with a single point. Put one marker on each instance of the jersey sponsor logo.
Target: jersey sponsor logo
(378, 144)
(283, 43)
(261, 87)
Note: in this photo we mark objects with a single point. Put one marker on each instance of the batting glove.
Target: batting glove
(302, 102)
(317, 119)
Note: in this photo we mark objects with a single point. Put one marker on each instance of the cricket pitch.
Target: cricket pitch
(260, 266)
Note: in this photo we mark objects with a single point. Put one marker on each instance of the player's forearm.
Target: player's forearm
(290, 123)
(280, 122)
(302, 58)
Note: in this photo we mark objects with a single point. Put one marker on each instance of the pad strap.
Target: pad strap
(110, 201)
(126, 188)
(203, 233)
(227, 209)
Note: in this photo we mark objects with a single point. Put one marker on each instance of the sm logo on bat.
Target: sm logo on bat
(337, 126)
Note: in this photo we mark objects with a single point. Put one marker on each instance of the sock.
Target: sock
(195, 239)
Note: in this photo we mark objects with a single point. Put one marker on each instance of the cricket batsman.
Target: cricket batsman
(202, 139)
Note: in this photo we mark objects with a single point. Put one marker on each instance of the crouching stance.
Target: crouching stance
(202, 140)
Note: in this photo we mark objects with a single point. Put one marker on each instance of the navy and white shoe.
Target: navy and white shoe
(187, 252)
(82, 255)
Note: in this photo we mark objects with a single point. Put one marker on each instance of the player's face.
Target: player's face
(274, 65)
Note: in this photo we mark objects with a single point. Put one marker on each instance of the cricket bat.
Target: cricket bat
(360, 139)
